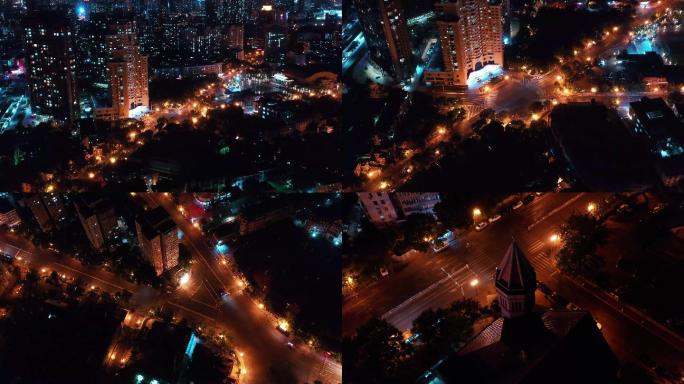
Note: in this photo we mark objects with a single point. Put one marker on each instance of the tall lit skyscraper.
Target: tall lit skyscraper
(97, 218)
(275, 44)
(158, 237)
(470, 36)
(51, 65)
(386, 33)
(128, 77)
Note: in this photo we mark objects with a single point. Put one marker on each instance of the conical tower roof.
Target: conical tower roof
(516, 272)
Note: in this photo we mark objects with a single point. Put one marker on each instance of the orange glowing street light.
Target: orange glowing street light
(591, 207)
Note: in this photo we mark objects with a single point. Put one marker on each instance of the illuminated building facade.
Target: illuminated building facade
(47, 209)
(386, 33)
(51, 65)
(158, 238)
(275, 44)
(470, 36)
(128, 76)
(97, 218)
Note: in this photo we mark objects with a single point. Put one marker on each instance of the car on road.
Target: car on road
(494, 218)
(383, 271)
(658, 208)
(290, 345)
(544, 288)
(439, 246)
(573, 307)
(518, 205)
(624, 208)
(528, 199)
(481, 225)
(222, 293)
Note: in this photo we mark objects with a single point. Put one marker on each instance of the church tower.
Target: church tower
(515, 282)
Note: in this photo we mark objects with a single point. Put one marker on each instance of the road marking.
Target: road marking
(89, 275)
(555, 210)
(421, 293)
(190, 310)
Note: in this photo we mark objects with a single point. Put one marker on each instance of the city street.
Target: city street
(266, 356)
(253, 330)
(436, 280)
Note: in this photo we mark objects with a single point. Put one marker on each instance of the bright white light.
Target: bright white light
(185, 278)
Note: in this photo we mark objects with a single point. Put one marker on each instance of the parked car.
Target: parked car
(658, 208)
(573, 307)
(494, 218)
(481, 225)
(517, 205)
(383, 271)
(624, 208)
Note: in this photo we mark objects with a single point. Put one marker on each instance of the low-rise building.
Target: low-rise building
(385, 207)
(8, 214)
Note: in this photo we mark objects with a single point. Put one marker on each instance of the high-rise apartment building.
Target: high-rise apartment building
(47, 209)
(386, 33)
(97, 218)
(127, 73)
(470, 36)
(51, 65)
(158, 237)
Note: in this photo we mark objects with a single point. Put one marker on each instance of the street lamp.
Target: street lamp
(474, 283)
(184, 279)
(476, 213)
(591, 207)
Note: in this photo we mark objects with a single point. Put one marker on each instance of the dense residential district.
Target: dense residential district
(514, 95)
(179, 95)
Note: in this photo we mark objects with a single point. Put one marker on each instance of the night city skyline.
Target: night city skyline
(170, 95)
(341, 191)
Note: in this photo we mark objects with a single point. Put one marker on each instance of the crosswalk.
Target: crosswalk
(538, 253)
